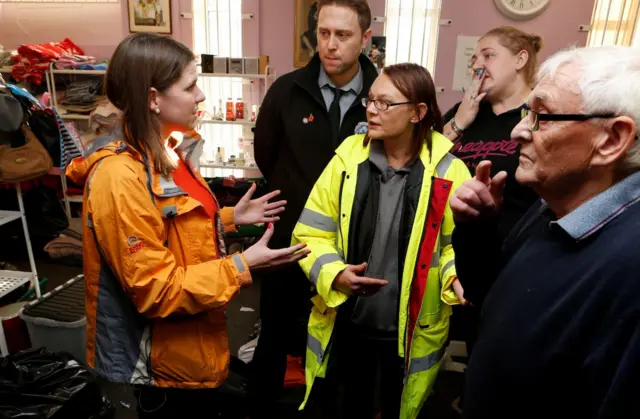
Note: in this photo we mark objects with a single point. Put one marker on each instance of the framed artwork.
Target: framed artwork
(376, 50)
(149, 16)
(305, 39)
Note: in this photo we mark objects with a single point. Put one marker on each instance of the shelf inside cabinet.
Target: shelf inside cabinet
(229, 167)
(11, 280)
(8, 216)
(75, 116)
(79, 72)
(242, 76)
(238, 122)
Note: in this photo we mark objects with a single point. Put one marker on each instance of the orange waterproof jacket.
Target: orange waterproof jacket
(157, 278)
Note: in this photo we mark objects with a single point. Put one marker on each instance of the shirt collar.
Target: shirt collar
(601, 209)
(354, 85)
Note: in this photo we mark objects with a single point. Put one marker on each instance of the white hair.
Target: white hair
(609, 81)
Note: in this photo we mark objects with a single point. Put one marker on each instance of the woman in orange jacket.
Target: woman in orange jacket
(157, 274)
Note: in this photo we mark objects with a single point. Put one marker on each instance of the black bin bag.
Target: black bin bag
(38, 384)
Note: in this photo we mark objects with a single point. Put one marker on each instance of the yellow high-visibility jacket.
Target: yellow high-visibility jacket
(429, 265)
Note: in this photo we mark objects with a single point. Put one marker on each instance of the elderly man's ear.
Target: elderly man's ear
(619, 134)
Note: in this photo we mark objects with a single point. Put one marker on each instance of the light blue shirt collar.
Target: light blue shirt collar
(601, 209)
(355, 85)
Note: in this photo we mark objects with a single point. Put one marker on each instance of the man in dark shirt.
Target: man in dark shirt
(560, 327)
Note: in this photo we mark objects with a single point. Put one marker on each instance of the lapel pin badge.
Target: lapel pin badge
(307, 119)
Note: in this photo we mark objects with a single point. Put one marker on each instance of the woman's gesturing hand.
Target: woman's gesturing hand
(254, 211)
(259, 255)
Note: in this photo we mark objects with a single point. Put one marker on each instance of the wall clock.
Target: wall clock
(521, 9)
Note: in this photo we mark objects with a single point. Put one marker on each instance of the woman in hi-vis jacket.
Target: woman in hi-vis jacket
(378, 225)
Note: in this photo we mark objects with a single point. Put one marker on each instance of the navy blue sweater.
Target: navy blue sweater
(560, 328)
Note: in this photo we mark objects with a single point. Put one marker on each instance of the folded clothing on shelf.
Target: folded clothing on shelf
(83, 92)
(72, 61)
(104, 117)
(32, 60)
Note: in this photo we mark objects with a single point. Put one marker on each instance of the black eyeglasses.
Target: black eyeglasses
(381, 105)
(537, 117)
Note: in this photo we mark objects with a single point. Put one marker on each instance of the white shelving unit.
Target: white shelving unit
(12, 280)
(268, 79)
(51, 87)
(227, 166)
(237, 122)
(241, 76)
(50, 78)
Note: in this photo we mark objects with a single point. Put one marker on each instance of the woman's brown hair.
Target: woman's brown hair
(416, 84)
(515, 41)
(143, 61)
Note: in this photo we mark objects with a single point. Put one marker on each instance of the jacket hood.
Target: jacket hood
(353, 148)
(80, 168)
(187, 145)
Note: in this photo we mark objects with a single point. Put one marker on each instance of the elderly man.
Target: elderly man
(560, 329)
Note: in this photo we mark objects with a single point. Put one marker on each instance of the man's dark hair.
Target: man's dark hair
(361, 7)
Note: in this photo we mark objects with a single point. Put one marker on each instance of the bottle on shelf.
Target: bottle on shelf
(219, 114)
(239, 109)
(240, 159)
(219, 156)
(231, 112)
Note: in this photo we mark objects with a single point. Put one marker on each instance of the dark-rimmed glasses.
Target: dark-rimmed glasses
(381, 105)
(537, 117)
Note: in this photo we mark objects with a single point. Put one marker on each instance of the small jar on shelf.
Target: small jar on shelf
(231, 111)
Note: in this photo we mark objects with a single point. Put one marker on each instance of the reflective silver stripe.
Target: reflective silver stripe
(443, 165)
(445, 240)
(435, 260)
(237, 260)
(448, 265)
(169, 211)
(316, 220)
(141, 373)
(194, 152)
(319, 263)
(169, 187)
(147, 167)
(426, 362)
(88, 186)
(315, 346)
(98, 144)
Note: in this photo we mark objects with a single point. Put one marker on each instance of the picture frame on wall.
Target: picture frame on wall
(376, 50)
(149, 16)
(305, 38)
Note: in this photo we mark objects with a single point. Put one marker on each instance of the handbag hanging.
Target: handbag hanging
(25, 162)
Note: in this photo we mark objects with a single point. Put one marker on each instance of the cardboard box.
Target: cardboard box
(220, 65)
(251, 65)
(236, 66)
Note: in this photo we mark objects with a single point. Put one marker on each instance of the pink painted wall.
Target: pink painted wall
(558, 26)
(96, 28)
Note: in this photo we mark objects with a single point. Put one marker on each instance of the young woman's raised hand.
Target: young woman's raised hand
(254, 211)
